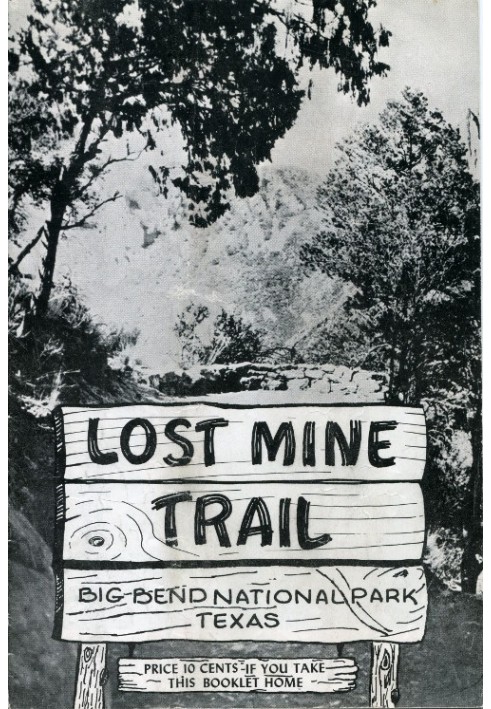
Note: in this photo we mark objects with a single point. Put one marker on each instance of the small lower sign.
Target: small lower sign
(237, 675)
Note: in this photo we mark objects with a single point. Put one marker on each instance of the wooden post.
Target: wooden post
(89, 692)
(384, 690)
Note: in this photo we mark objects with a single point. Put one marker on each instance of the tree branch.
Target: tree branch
(98, 170)
(14, 267)
(81, 222)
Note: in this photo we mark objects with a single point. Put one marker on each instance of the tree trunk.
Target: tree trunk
(59, 203)
(60, 199)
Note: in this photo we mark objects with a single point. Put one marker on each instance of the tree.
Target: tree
(227, 339)
(225, 72)
(402, 226)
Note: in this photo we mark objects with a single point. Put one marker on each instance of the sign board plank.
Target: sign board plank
(108, 522)
(334, 604)
(204, 441)
(236, 675)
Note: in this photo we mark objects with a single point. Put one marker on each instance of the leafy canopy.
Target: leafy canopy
(224, 71)
(402, 225)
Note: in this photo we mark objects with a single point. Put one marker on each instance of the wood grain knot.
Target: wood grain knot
(386, 661)
(96, 541)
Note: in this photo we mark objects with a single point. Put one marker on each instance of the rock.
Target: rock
(325, 379)
(41, 670)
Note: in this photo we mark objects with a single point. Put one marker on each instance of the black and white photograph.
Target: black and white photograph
(245, 372)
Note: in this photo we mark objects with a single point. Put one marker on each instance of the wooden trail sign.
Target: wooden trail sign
(213, 522)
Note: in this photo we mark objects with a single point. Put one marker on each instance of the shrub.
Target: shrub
(228, 339)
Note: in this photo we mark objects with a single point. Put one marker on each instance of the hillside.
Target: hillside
(144, 263)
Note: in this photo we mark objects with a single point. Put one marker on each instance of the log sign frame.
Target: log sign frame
(210, 522)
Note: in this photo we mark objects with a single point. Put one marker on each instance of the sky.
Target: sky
(434, 47)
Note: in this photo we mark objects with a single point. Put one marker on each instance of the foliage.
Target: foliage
(402, 226)
(67, 359)
(228, 339)
(233, 340)
(32, 137)
(84, 73)
(186, 329)
(444, 555)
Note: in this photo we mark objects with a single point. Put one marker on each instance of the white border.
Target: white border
(485, 25)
